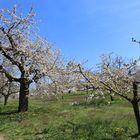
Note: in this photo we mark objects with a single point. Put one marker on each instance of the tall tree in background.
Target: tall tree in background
(7, 88)
(111, 61)
(32, 56)
(120, 78)
(65, 79)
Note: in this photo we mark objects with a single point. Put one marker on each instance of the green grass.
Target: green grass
(59, 120)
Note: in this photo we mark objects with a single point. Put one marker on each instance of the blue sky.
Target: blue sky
(85, 29)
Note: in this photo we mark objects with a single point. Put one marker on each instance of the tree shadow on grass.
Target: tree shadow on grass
(8, 112)
(135, 135)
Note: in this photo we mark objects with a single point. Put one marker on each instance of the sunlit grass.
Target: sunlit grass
(60, 120)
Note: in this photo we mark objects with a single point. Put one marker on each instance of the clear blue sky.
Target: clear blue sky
(85, 29)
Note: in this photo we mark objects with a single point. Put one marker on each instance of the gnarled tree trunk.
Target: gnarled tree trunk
(135, 105)
(137, 115)
(23, 95)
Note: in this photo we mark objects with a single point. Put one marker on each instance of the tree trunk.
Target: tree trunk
(136, 105)
(137, 114)
(5, 100)
(111, 98)
(23, 95)
(87, 89)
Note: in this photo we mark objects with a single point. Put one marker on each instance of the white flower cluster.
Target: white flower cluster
(95, 96)
(74, 103)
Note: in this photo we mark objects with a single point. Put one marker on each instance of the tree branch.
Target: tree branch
(11, 59)
(109, 88)
(86, 77)
(8, 75)
(12, 42)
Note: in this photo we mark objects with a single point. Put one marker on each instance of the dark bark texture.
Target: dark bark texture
(23, 95)
(6, 99)
(136, 105)
(137, 115)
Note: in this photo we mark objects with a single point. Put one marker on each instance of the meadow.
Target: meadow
(70, 118)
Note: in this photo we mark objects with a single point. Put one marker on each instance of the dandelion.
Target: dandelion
(119, 132)
(109, 103)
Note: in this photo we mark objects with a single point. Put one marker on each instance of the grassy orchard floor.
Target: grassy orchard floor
(59, 120)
